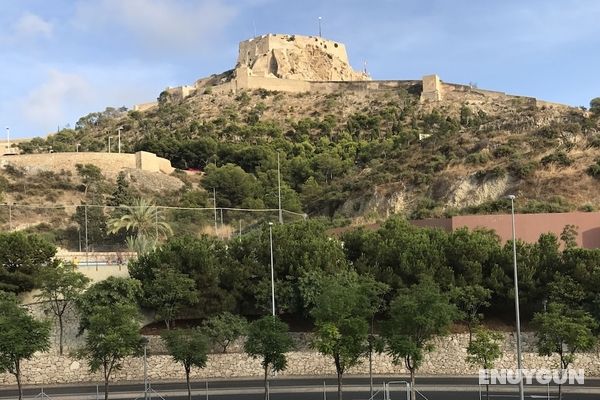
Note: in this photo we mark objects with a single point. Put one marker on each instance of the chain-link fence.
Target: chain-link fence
(104, 229)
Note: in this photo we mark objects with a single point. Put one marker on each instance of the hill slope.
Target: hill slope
(358, 153)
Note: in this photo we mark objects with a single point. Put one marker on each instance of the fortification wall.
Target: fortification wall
(250, 49)
(145, 106)
(110, 163)
(448, 358)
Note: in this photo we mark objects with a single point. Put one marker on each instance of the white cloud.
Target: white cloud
(31, 25)
(48, 104)
(158, 24)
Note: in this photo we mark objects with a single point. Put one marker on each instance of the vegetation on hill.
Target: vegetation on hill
(354, 154)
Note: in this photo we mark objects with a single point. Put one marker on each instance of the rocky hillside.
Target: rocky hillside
(366, 154)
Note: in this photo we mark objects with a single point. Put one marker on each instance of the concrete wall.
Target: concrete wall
(448, 358)
(110, 163)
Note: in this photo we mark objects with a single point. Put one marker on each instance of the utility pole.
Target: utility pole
(279, 189)
(272, 269)
(119, 129)
(86, 235)
(215, 206)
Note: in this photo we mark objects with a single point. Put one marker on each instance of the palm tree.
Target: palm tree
(145, 222)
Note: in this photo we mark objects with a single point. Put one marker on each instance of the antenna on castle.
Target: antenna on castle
(365, 68)
(320, 18)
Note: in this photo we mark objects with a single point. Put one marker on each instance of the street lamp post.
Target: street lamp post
(320, 18)
(272, 269)
(518, 318)
(7, 140)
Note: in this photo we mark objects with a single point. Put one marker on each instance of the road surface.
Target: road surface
(286, 388)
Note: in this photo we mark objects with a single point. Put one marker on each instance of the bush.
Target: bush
(559, 158)
(504, 151)
(477, 158)
(594, 170)
(521, 169)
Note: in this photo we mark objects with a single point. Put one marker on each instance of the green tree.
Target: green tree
(145, 222)
(595, 106)
(112, 291)
(112, 335)
(22, 257)
(91, 217)
(342, 309)
(298, 249)
(21, 336)
(224, 329)
(60, 287)
(188, 347)
(123, 194)
(564, 331)
(204, 260)
(234, 187)
(417, 315)
(469, 300)
(484, 350)
(569, 236)
(91, 177)
(169, 292)
(268, 340)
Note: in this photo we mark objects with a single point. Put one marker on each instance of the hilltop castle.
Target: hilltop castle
(294, 63)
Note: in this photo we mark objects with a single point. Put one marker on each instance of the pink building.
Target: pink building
(529, 227)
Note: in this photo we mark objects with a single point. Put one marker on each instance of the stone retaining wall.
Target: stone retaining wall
(447, 359)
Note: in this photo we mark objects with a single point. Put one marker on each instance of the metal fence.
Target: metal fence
(86, 228)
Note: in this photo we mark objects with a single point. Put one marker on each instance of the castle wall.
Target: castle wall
(249, 50)
(145, 106)
(110, 163)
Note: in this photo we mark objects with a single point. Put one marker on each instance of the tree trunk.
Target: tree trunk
(340, 377)
(60, 334)
(18, 376)
(266, 382)
(189, 386)
(105, 388)
(106, 378)
(371, 369)
(413, 393)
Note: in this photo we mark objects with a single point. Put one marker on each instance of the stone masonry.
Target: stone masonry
(448, 358)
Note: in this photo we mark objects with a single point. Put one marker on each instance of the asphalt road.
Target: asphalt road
(285, 388)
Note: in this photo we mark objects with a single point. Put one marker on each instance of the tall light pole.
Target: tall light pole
(272, 269)
(109, 138)
(320, 18)
(518, 318)
(279, 189)
(7, 139)
(119, 129)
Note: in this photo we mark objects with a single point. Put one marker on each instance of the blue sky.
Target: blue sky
(62, 59)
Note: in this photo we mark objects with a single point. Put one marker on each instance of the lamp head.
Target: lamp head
(511, 196)
(270, 224)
